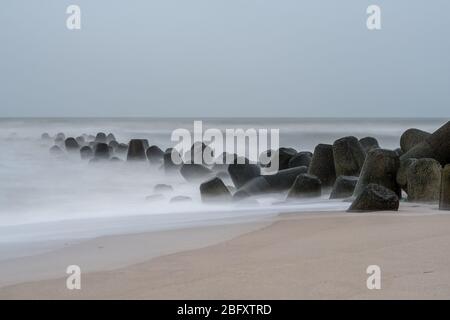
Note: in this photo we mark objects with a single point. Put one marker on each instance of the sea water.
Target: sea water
(46, 200)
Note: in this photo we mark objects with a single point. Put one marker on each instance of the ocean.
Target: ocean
(46, 201)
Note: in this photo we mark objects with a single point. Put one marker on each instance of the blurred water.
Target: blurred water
(43, 198)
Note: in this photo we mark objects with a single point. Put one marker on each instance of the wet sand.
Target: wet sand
(299, 256)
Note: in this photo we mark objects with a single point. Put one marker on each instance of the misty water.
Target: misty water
(46, 200)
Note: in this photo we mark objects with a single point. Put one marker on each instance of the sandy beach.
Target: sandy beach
(298, 256)
(221, 150)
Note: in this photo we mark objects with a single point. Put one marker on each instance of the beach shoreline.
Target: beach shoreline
(297, 256)
(116, 251)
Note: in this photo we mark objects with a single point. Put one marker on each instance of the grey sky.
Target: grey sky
(212, 58)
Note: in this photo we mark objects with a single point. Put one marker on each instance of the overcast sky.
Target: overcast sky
(213, 58)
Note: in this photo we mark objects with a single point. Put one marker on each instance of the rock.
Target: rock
(71, 144)
(424, 180)
(60, 136)
(375, 198)
(168, 163)
(223, 175)
(241, 160)
(162, 188)
(59, 141)
(264, 158)
(444, 200)
(198, 147)
(322, 164)
(101, 151)
(55, 150)
(110, 137)
(196, 153)
(180, 199)
(401, 177)
(220, 167)
(122, 148)
(80, 140)
(305, 186)
(154, 154)
(45, 136)
(411, 138)
(136, 150)
(214, 190)
(348, 156)
(100, 137)
(283, 179)
(300, 159)
(380, 168)
(284, 156)
(343, 187)
(439, 142)
(86, 152)
(223, 160)
(399, 152)
(194, 172)
(113, 144)
(115, 159)
(227, 158)
(256, 186)
(435, 146)
(209, 156)
(422, 150)
(369, 143)
(146, 144)
(242, 173)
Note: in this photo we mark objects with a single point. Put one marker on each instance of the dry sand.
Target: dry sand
(307, 256)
